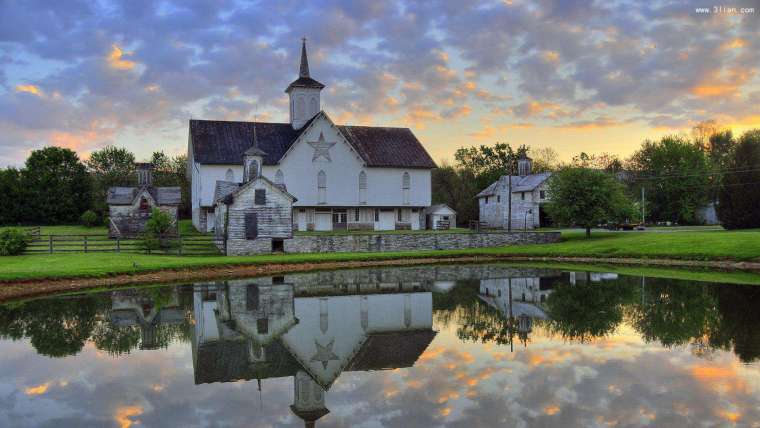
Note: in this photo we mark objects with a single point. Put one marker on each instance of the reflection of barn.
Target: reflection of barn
(246, 331)
(521, 299)
(133, 308)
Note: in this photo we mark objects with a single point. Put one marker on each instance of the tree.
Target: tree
(489, 163)
(456, 188)
(676, 177)
(109, 166)
(57, 186)
(172, 171)
(605, 161)
(739, 194)
(11, 209)
(586, 197)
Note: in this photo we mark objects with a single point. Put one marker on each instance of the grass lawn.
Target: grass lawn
(706, 245)
(65, 230)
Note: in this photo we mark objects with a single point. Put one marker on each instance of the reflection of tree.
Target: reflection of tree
(586, 310)
(116, 340)
(674, 312)
(56, 327)
(480, 322)
(739, 324)
(464, 293)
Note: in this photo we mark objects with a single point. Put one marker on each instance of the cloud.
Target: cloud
(117, 61)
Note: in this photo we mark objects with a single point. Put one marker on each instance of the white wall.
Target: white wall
(383, 184)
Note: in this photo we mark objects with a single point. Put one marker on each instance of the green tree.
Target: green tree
(739, 194)
(109, 166)
(57, 186)
(489, 163)
(676, 177)
(172, 171)
(586, 197)
(11, 209)
(456, 188)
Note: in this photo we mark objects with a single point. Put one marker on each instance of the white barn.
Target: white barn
(529, 194)
(343, 177)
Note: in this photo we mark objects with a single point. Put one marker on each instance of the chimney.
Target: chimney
(524, 165)
(144, 174)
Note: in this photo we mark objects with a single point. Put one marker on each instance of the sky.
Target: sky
(572, 75)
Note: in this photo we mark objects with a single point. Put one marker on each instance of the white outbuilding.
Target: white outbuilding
(440, 216)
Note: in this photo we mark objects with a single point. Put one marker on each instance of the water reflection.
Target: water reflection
(477, 345)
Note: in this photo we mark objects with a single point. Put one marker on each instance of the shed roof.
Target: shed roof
(441, 209)
(526, 183)
(126, 195)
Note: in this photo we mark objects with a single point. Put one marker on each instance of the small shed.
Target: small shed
(129, 208)
(440, 216)
(253, 217)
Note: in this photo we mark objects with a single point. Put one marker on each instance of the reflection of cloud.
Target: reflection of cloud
(37, 390)
(123, 414)
(31, 89)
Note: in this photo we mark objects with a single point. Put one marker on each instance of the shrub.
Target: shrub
(89, 218)
(158, 227)
(12, 242)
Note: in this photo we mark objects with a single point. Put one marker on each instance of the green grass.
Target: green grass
(65, 230)
(697, 245)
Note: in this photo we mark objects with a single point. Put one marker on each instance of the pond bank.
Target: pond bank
(15, 289)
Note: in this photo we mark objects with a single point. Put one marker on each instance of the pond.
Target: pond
(470, 345)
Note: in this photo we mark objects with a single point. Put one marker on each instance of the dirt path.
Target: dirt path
(29, 288)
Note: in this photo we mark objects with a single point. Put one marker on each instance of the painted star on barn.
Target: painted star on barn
(324, 353)
(321, 148)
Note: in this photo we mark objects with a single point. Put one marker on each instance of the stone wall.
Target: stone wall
(413, 241)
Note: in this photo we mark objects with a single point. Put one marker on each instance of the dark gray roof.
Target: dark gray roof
(224, 188)
(227, 361)
(438, 207)
(223, 142)
(391, 350)
(126, 195)
(254, 151)
(527, 183)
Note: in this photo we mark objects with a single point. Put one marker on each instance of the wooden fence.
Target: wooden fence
(180, 245)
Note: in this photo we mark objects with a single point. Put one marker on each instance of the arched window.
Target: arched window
(322, 187)
(253, 169)
(279, 177)
(363, 187)
(229, 176)
(313, 106)
(405, 185)
(300, 108)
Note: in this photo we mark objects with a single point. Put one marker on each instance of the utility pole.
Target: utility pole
(509, 201)
(642, 206)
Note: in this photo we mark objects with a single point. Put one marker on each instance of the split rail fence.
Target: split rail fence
(182, 245)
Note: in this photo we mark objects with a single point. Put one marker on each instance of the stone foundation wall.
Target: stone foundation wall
(413, 241)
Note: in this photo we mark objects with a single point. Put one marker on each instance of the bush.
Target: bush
(158, 227)
(12, 242)
(89, 218)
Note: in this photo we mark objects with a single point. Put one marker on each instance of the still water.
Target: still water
(485, 345)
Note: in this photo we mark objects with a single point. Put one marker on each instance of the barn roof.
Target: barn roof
(440, 209)
(527, 183)
(126, 195)
(224, 189)
(224, 142)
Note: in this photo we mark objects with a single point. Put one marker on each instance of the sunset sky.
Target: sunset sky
(563, 74)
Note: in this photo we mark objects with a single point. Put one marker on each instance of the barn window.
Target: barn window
(252, 297)
(542, 194)
(229, 176)
(363, 187)
(356, 214)
(498, 199)
(262, 325)
(377, 215)
(322, 187)
(486, 200)
(144, 205)
(522, 195)
(253, 169)
(300, 108)
(405, 185)
(279, 177)
(313, 105)
(251, 226)
(260, 197)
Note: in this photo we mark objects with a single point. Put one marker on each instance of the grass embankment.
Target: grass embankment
(695, 246)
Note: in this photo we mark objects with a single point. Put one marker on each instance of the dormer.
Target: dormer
(304, 94)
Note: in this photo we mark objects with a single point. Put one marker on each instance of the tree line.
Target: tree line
(678, 175)
(56, 187)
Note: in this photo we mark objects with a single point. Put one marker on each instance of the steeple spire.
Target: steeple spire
(304, 71)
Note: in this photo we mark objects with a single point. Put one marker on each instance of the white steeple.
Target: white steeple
(304, 93)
